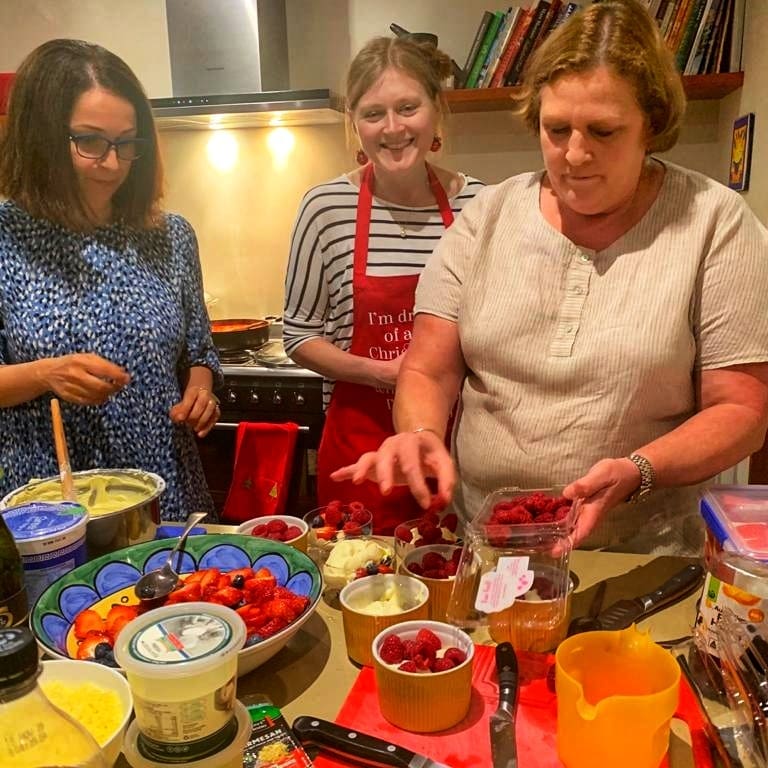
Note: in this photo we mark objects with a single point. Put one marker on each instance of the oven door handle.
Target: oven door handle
(235, 425)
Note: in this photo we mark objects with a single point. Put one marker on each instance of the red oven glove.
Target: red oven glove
(262, 472)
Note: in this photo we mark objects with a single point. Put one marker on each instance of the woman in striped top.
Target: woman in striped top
(604, 319)
(358, 247)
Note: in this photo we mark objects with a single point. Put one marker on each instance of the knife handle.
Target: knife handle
(506, 667)
(680, 584)
(369, 750)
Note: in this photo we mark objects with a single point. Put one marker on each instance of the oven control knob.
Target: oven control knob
(254, 397)
(230, 396)
(299, 398)
(277, 399)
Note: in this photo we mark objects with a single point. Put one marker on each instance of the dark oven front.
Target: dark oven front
(266, 399)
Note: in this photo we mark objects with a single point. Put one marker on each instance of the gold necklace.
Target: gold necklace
(403, 231)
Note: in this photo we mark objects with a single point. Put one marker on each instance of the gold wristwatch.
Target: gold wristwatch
(647, 478)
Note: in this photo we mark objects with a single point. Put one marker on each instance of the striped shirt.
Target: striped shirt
(318, 284)
(577, 355)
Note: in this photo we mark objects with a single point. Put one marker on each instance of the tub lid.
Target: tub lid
(737, 516)
(40, 518)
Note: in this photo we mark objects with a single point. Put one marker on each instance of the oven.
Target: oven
(256, 392)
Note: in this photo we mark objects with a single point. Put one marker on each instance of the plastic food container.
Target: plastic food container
(51, 539)
(736, 558)
(181, 663)
(228, 756)
(503, 564)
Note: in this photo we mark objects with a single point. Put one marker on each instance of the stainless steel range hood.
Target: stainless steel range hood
(229, 69)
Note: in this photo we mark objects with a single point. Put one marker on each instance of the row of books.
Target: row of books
(705, 36)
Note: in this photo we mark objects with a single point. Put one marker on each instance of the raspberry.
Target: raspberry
(259, 530)
(351, 528)
(416, 568)
(276, 526)
(456, 655)
(456, 556)
(450, 521)
(291, 532)
(545, 517)
(562, 512)
(431, 534)
(408, 666)
(432, 561)
(441, 665)
(356, 506)
(403, 533)
(435, 573)
(409, 648)
(333, 515)
(360, 516)
(391, 650)
(429, 638)
(450, 568)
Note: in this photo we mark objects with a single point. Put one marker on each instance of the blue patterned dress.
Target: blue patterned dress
(131, 296)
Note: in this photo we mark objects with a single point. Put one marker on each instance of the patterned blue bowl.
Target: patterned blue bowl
(110, 578)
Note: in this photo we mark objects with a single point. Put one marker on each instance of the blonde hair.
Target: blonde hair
(621, 35)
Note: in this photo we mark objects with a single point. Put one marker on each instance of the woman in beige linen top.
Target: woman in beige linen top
(612, 305)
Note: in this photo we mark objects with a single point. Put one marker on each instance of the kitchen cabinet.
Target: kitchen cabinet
(697, 87)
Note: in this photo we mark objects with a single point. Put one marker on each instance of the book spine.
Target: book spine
(737, 35)
(669, 17)
(697, 48)
(689, 33)
(527, 45)
(493, 29)
(489, 68)
(565, 12)
(710, 36)
(513, 47)
(475, 47)
(673, 39)
(549, 19)
(722, 41)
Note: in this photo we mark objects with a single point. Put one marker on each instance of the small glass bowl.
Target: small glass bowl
(346, 522)
(430, 529)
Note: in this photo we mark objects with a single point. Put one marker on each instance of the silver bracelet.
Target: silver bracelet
(425, 429)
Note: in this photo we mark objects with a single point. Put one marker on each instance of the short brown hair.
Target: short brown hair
(36, 170)
(422, 61)
(621, 35)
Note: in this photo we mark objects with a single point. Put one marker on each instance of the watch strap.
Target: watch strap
(647, 478)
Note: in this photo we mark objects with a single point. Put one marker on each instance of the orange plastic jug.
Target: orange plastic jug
(616, 695)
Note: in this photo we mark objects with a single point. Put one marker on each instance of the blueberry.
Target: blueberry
(102, 651)
(238, 581)
(318, 522)
(372, 569)
(387, 560)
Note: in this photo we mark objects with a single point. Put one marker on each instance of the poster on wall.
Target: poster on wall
(741, 152)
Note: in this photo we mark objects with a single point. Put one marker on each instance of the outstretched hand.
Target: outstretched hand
(607, 484)
(85, 378)
(199, 408)
(407, 458)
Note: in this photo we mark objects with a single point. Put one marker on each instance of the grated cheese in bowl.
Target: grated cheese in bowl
(99, 710)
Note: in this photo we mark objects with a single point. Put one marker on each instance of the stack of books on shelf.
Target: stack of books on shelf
(705, 36)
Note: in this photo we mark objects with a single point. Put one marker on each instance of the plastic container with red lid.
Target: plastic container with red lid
(737, 518)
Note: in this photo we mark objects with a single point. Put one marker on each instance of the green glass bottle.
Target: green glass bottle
(13, 594)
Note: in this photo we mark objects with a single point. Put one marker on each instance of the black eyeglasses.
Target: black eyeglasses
(94, 146)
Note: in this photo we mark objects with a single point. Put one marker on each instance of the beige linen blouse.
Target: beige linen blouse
(575, 355)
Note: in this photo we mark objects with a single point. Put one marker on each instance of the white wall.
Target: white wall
(133, 29)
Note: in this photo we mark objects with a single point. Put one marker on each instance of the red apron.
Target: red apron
(359, 418)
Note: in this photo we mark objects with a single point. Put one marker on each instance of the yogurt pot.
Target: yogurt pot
(229, 756)
(51, 539)
(181, 664)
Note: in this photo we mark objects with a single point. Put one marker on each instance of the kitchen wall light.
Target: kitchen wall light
(280, 142)
(222, 150)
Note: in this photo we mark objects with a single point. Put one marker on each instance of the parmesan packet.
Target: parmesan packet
(272, 743)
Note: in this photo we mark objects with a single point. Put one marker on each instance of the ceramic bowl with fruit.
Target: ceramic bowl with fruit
(431, 528)
(285, 528)
(274, 587)
(423, 674)
(370, 604)
(435, 565)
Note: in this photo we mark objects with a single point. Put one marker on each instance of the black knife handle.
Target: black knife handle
(506, 667)
(369, 750)
(680, 584)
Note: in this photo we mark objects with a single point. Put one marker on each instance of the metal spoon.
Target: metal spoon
(157, 584)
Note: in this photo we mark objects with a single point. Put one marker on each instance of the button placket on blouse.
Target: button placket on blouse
(578, 276)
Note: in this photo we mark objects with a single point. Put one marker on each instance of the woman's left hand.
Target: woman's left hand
(199, 408)
(608, 483)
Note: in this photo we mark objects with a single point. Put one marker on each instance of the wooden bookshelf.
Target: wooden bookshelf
(697, 88)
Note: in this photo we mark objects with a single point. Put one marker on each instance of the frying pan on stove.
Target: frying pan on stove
(239, 334)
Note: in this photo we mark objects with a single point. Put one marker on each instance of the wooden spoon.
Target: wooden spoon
(62, 453)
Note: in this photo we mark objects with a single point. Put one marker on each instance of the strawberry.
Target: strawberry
(118, 616)
(87, 649)
(186, 593)
(228, 596)
(88, 622)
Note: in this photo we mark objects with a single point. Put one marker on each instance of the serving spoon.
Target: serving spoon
(160, 582)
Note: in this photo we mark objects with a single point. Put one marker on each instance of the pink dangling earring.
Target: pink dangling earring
(361, 157)
(437, 143)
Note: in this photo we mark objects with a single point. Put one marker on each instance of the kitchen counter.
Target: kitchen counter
(312, 674)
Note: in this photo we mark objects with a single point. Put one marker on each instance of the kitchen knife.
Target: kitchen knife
(503, 748)
(361, 747)
(624, 613)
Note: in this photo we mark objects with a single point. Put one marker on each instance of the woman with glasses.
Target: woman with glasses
(101, 301)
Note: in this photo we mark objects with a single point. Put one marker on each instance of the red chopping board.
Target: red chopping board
(467, 745)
